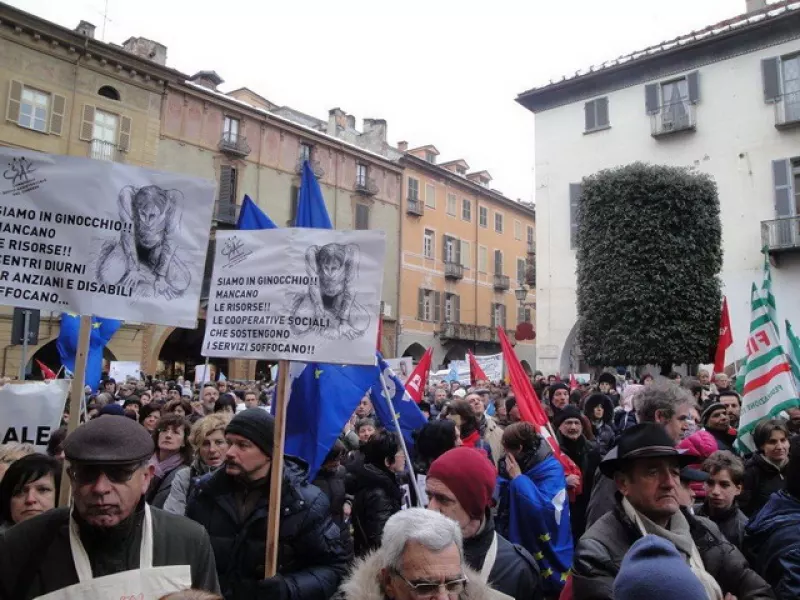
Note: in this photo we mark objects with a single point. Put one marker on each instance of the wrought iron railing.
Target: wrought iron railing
(233, 143)
(415, 206)
(102, 150)
(672, 118)
(781, 234)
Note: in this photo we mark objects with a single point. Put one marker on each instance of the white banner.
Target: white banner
(492, 365)
(120, 370)
(101, 238)
(30, 412)
(402, 367)
(309, 295)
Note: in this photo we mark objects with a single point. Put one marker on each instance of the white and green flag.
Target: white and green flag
(766, 292)
(793, 343)
(768, 384)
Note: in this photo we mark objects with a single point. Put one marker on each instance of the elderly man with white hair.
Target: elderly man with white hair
(420, 557)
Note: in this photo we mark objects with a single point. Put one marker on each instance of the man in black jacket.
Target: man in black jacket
(231, 504)
(459, 485)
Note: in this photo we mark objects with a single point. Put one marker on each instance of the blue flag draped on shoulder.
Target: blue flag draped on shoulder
(252, 217)
(67, 344)
(408, 413)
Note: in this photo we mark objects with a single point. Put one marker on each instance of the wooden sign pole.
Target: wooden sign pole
(76, 396)
(276, 472)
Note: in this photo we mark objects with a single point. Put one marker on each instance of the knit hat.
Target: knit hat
(654, 569)
(607, 378)
(710, 409)
(112, 409)
(469, 475)
(256, 425)
(558, 386)
(568, 412)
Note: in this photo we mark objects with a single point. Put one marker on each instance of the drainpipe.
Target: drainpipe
(400, 219)
(477, 251)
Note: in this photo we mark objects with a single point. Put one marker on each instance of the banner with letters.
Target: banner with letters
(121, 370)
(93, 237)
(309, 295)
(30, 412)
(492, 365)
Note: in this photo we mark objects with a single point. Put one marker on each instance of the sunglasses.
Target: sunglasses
(86, 474)
(429, 589)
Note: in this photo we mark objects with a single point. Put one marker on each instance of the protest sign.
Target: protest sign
(101, 238)
(30, 412)
(492, 365)
(401, 367)
(203, 373)
(308, 295)
(121, 370)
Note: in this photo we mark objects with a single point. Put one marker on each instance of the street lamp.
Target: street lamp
(521, 293)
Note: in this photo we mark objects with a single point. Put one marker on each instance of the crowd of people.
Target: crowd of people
(170, 489)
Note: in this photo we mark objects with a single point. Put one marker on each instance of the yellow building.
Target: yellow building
(466, 249)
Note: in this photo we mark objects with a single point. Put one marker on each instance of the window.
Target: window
(34, 109)
(498, 222)
(466, 209)
(413, 188)
(524, 314)
(575, 191)
(671, 101)
(109, 92)
(465, 255)
(517, 230)
(430, 195)
(452, 308)
(451, 205)
(429, 305)
(306, 150)
(521, 265)
(596, 115)
(225, 210)
(498, 315)
(428, 243)
(498, 262)
(461, 170)
(361, 175)
(104, 135)
(483, 217)
(531, 236)
(230, 130)
(451, 250)
(786, 180)
(483, 259)
(782, 85)
(361, 216)
(430, 157)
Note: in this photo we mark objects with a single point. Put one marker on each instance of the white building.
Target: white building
(725, 100)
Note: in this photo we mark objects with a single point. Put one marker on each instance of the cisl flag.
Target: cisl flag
(418, 380)
(725, 338)
(768, 385)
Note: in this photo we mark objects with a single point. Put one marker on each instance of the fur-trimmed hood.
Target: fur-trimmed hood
(362, 584)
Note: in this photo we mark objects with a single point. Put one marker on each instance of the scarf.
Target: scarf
(679, 534)
(167, 466)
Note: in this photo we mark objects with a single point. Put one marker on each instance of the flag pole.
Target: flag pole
(400, 435)
(276, 473)
(76, 395)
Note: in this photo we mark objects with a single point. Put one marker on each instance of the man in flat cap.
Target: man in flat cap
(110, 544)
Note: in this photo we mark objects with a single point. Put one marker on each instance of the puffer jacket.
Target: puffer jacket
(600, 552)
(772, 540)
(702, 445)
(730, 522)
(604, 434)
(761, 479)
(376, 497)
(311, 557)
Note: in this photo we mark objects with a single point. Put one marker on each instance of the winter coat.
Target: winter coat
(730, 522)
(772, 541)
(182, 485)
(604, 433)
(587, 456)
(364, 582)
(514, 573)
(474, 440)
(35, 555)
(761, 480)
(602, 499)
(376, 497)
(311, 557)
(624, 420)
(702, 445)
(492, 434)
(160, 489)
(600, 552)
(332, 483)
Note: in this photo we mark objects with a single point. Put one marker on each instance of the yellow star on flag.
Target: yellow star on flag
(545, 537)
(96, 325)
(317, 373)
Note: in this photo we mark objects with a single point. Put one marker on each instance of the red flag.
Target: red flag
(46, 371)
(475, 372)
(418, 380)
(573, 383)
(725, 338)
(531, 408)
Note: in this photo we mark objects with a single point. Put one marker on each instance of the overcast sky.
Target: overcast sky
(441, 72)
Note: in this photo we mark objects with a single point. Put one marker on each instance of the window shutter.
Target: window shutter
(493, 321)
(225, 179)
(693, 83)
(575, 190)
(457, 309)
(125, 134)
(465, 254)
(602, 112)
(437, 306)
(87, 123)
(498, 262)
(589, 115)
(445, 246)
(651, 102)
(57, 114)
(771, 74)
(457, 246)
(293, 192)
(520, 314)
(503, 314)
(14, 100)
(784, 194)
(420, 304)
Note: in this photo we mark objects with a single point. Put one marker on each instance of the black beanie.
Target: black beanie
(558, 386)
(568, 412)
(255, 424)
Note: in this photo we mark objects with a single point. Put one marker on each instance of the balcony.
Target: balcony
(673, 118)
(365, 186)
(101, 150)
(316, 168)
(234, 144)
(225, 212)
(780, 236)
(415, 206)
(502, 283)
(787, 111)
(453, 270)
(466, 332)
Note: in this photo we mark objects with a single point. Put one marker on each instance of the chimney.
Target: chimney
(86, 28)
(207, 79)
(337, 120)
(147, 49)
(755, 5)
(351, 122)
(376, 128)
(402, 146)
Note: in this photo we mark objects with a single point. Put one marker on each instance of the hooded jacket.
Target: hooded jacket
(604, 433)
(772, 540)
(761, 479)
(376, 497)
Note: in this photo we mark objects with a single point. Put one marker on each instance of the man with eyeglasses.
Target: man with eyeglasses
(421, 557)
(110, 543)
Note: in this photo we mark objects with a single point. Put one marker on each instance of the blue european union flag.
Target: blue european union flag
(408, 413)
(67, 344)
(252, 217)
(311, 211)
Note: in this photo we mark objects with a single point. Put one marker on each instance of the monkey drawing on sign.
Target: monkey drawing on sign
(144, 258)
(329, 307)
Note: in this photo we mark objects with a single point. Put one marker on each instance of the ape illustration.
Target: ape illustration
(330, 308)
(145, 257)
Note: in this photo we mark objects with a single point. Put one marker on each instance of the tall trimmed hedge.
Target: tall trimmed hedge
(649, 257)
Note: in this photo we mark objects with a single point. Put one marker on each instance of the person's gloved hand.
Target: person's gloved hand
(273, 588)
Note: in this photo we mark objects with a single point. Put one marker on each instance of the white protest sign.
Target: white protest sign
(309, 295)
(101, 238)
(492, 365)
(402, 367)
(120, 370)
(203, 373)
(30, 412)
